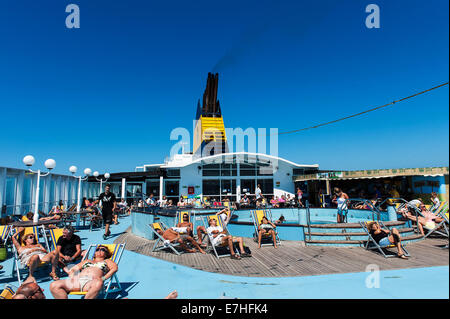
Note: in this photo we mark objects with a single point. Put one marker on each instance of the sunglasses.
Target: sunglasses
(102, 249)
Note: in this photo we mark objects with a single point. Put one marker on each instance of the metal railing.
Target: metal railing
(308, 218)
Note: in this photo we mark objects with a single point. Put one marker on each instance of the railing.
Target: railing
(373, 208)
(21, 209)
(308, 218)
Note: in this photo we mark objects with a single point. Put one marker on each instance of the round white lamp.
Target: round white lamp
(28, 160)
(96, 174)
(73, 169)
(107, 175)
(87, 171)
(50, 164)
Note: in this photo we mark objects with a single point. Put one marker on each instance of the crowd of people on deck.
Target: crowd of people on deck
(88, 274)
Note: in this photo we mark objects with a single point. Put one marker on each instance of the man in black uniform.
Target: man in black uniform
(108, 200)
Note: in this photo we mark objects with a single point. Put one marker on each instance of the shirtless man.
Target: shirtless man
(172, 236)
(185, 226)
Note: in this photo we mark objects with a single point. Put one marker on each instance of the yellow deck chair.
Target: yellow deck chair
(219, 251)
(266, 239)
(17, 269)
(8, 292)
(54, 233)
(4, 233)
(161, 243)
(179, 218)
(112, 284)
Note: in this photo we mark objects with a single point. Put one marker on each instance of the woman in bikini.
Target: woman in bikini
(88, 276)
(266, 227)
(32, 254)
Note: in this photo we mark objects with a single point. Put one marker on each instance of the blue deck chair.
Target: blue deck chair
(371, 244)
(112, 284)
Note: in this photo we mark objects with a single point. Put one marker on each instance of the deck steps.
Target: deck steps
(352, 234)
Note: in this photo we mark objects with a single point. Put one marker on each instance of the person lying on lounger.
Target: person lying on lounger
(428, 219)
(31, 254)
(266, 227)
(221, 238)
(386, 238)
(174, 237)
(88, 276)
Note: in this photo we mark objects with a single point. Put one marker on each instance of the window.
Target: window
(266, 186)
(173, 173)
(211, 188)
(152, 188)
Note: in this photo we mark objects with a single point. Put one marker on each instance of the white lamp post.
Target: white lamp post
(87, 172)
(106, 175)
(49, 164)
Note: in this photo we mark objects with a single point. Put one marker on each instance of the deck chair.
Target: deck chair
(17, 269)
(441, 228)
(179, 218)
(8, 292)
(221, 250)
(266, 239)
(4, 233)
(371, 244)
(112, 284)
(161, 243)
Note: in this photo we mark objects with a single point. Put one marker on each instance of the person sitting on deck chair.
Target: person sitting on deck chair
(88, 276)
(224, 214)
(266, 227)
(31, 254)
(220, 237)
(185, 226)
(386, 238)
(174, 237)
(68, 248)
(428, 219)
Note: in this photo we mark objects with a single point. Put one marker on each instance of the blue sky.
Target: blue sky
(107, 95)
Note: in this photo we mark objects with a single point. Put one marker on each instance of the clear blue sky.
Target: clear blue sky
(107, 95)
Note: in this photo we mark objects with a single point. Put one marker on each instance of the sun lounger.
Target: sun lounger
(8, 292)
(112, 284)
(17, 269)
(221, 250)
(371, 244)
(4, 233)
(266, 239)
(161, 243)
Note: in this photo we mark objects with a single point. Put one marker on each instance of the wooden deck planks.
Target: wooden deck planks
(292, 258)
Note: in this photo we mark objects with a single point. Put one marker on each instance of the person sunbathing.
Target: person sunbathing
(266, 227)
(185, 227)
(172, 236)
(221, 238)
(31, 254)
(87, 276)
(29, 290)
(386, 238)
(427, 220)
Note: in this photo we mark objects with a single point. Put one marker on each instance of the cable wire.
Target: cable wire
(364, 112)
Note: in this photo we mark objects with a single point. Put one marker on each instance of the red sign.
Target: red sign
(191, 190)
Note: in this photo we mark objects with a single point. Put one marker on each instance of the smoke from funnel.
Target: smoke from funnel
(293, 19)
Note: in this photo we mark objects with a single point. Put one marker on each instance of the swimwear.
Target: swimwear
(100, 265)
(26, 254)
